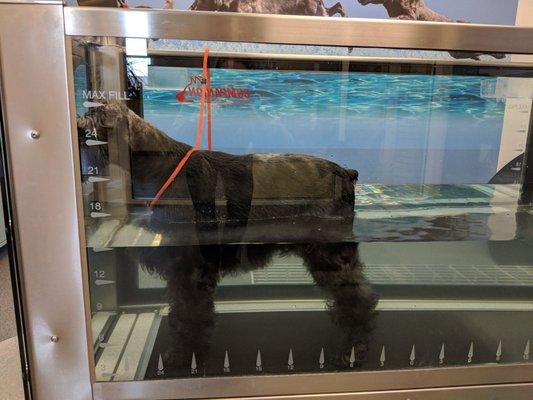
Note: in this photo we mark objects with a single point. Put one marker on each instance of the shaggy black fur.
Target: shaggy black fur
(192, 280)
(315, 229)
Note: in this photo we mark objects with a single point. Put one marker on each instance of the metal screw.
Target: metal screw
(54, 339)
(35, 134)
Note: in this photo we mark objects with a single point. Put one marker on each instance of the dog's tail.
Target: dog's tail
(353, 174)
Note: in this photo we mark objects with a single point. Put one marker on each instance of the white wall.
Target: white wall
(517, 110)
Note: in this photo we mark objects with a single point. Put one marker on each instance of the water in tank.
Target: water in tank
(257, 209)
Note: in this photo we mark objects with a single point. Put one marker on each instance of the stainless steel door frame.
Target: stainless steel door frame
(16, 285)
(43, 173)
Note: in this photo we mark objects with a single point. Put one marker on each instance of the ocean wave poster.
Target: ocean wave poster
(393, 128)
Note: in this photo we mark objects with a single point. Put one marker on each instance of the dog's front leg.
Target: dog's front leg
(191, 288)
(238, 189)
(202, 182)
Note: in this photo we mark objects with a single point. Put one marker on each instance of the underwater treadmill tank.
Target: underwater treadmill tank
(354, 213)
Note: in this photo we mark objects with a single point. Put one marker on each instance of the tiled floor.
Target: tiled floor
(10, 373)
(7, 318)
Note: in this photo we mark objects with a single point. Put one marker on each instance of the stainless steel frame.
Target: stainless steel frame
(49, 223)
(339, 384)
(442, 63)
(507, 392)
(296, 30)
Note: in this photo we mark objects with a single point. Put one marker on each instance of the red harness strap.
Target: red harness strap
(205, 94)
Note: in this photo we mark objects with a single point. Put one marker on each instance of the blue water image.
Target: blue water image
(394, 129)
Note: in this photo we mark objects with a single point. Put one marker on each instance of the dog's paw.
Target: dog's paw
(177, 360)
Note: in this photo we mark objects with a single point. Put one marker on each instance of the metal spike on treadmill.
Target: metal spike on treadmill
(290, 361)
(499, 352)
(95, 214)
(226, 362)
(471, 353)
(352, 357)
(194, 367)
(101, 249)
(321, 359)
(527, 351)
(91, 142)
(382, 357)
(160, 366)
(92, 104)
(258, 362)
(441, 355)
(102, 282)
(412, 356)
(96, 179)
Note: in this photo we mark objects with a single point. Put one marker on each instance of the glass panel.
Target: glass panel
(354, 214)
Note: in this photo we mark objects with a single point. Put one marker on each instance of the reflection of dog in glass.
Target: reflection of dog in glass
(417, 10)
(290, 7)
(317, 231)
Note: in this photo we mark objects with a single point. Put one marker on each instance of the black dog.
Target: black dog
(274, 204)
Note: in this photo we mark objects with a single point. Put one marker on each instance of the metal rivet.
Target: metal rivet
(54, 339)
(35, 134)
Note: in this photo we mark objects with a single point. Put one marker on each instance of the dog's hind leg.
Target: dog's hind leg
(336, 269)
(191, 288)
(238, 189)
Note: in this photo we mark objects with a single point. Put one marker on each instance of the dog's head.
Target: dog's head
(98, 120)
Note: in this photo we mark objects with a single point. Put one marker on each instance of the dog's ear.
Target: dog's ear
(81, 122)
(110, 114)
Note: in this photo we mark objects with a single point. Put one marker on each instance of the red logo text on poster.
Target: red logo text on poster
(193, 89)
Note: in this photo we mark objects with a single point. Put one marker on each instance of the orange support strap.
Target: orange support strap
(205, 94)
